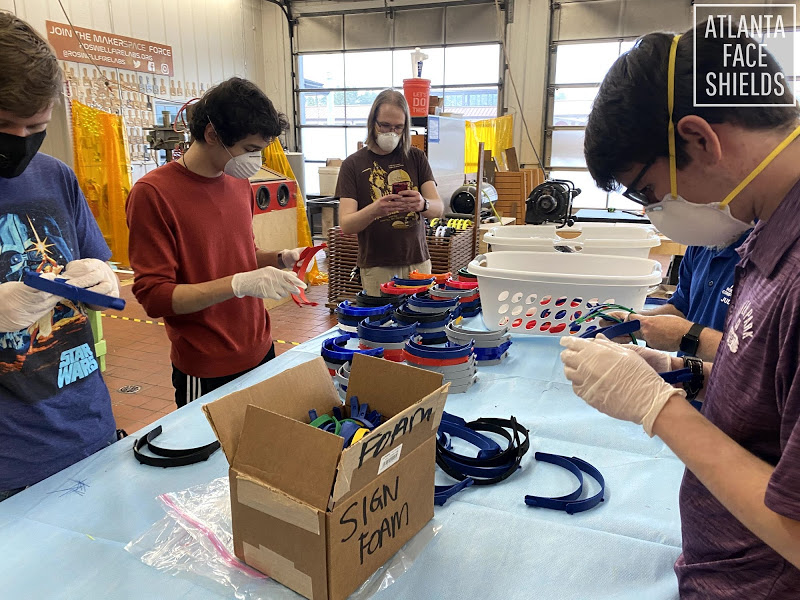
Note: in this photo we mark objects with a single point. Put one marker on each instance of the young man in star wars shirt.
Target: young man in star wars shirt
(55, 408)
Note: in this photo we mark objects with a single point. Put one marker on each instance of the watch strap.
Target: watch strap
(691, 340)
(695, 384)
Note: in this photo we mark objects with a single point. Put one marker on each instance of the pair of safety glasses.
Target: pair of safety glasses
(644, 196)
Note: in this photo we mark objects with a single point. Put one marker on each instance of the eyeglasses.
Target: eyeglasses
(388, 127)
(645, 196)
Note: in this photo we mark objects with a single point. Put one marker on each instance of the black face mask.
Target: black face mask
(17, 152)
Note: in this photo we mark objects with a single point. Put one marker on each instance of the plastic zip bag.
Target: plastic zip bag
(195, 540)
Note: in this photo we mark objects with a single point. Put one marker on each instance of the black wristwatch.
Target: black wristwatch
(695, 384)
(691, 340)
(427, 205)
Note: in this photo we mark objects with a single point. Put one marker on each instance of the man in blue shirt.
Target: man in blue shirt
(692, 320)
(54, 406)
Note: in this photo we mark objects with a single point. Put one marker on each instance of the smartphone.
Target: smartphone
(400, 186)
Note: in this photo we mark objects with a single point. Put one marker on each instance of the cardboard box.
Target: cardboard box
(434, 103)
(312, 516)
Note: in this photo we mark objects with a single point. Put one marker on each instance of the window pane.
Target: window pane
(617, 201)
(625, 46)
(432, 67)
(321, 108)
(472, 64)
(591, 196)
(368, 69)
(321, 71)
(359, 104)
(571, 106)
(323, 142)
(471, 103)
(567, 149)
(355, 135)
(585, 63)
(312, 177)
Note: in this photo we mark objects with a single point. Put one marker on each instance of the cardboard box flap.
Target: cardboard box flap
(288, 455)
(387, 444)
(277, 394)
(389, 385)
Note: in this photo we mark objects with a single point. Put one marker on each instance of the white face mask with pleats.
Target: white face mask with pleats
(243, 166)
(700, 224)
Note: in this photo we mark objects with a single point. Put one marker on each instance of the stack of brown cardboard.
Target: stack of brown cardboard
(315, 517)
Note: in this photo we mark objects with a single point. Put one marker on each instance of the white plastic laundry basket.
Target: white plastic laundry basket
(588, 238)
(542, 293)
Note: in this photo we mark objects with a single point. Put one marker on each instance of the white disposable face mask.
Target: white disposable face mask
(700, 224)
(387, 141)
(243, 166)
(696, 224)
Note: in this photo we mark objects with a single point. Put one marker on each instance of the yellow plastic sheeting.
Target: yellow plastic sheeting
(496, 134)
(101, 164)
(274, 158)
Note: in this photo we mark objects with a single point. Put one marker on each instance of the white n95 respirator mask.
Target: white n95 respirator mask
(696, 224)
(387, 141)
(243, 166)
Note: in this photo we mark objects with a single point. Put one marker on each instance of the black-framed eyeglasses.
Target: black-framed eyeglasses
(644, 196)
(388, 127)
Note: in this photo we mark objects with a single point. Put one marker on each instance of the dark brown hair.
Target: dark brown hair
(30, 77)
(629, 118)
(236, 108)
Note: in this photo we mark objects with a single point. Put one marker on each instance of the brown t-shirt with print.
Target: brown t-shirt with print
(397, 239)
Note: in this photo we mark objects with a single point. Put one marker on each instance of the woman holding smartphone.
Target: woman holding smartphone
(384, 190)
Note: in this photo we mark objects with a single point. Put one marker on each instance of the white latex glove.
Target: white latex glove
(267, 282)
(661, 362)
(616, 380)
(92, 274)
(21, 306)
(290, 257)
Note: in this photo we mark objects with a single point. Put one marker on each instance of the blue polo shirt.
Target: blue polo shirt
(705, 284)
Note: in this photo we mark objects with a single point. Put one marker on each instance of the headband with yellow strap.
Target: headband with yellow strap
(673, 171)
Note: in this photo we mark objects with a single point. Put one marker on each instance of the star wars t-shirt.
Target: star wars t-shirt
(54, 406)
(397, 239)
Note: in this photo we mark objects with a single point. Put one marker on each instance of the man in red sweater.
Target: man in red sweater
(192, 249)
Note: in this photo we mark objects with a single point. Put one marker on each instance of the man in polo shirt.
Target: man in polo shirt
(704, 175)
(692, 320)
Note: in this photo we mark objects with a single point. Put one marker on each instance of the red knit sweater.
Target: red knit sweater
(185, 228)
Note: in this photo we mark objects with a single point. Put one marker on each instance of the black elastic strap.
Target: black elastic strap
(512, 455)
(171, 457)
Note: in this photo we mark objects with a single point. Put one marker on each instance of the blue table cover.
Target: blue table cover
(64, 537)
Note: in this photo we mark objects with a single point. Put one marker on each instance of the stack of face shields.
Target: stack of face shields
(388, 336)
(431, 316)
(349, 316)
(491, 347)
(456, 363)
(406, 286)
(335, 352)
(465, 288)
(340, 380)
(367, 301)
(438, 277)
